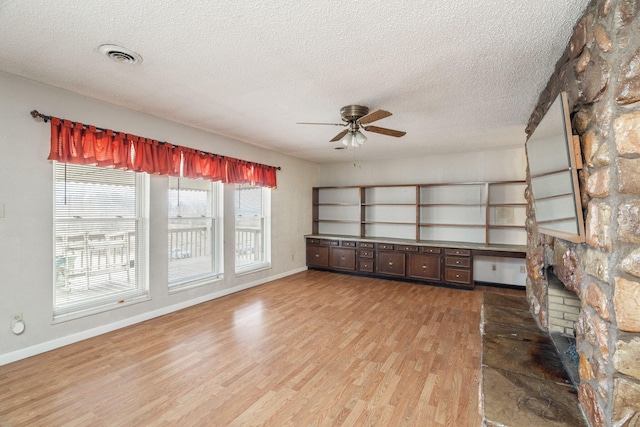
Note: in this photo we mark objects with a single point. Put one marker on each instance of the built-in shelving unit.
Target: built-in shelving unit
(475, 212)
(453, 212)
(389, 211)
(506, 212)
(337, 210)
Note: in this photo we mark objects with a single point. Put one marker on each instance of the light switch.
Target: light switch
(1, 210)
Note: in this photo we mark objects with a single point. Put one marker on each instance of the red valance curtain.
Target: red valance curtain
(86, 145)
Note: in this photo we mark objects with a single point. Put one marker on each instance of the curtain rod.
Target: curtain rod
(36, 115)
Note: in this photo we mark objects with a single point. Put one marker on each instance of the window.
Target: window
(253, 226)
(100, 240)
(194, 231)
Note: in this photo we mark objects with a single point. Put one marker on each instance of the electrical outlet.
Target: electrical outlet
(493, 267)
(17, 324)
(522, 269)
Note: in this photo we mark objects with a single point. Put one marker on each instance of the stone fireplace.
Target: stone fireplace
(600, 71)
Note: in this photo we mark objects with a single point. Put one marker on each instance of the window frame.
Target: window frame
(265, 219)
(107, 301)
(215, 215)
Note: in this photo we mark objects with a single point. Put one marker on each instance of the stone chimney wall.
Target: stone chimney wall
(600, 71)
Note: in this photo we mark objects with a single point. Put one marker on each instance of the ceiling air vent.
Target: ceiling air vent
(120, 54)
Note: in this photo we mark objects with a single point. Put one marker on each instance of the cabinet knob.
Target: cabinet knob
(424, 267)
(457, 262)
(317, 255)
(390, 263)
(457, 276)
(366, 266)
(341, 258)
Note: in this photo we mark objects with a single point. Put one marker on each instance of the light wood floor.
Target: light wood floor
(311, 349)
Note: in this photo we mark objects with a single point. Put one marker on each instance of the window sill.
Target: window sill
(253, 269)
(65, 317)
(185, 286)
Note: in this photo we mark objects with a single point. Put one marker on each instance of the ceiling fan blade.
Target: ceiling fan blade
(372, 117)
(384, 131)
(330, 124)
(339, 136)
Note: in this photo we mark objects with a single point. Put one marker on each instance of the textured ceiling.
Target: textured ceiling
(457, 75)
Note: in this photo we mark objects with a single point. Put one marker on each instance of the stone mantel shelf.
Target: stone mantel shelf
(478, 247)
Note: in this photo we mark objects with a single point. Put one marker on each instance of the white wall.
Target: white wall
(495, 165)
(26, 231)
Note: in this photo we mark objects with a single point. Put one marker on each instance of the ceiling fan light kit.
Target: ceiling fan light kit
(354, 139)
(356, 117)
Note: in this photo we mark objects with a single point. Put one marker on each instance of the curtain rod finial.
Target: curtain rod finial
(36, 115)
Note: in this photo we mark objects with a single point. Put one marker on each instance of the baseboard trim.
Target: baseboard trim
(36, 349)
(501, 285)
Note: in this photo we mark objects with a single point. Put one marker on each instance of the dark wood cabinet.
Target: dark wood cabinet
(317, 256)
(366, 253)
(366, 256)
(365, 265)
(415, 262)
(342, 258)
(390, 263)
(461, 277)
(459, 252)
(424, 266)
(450, 261)
(458, 267)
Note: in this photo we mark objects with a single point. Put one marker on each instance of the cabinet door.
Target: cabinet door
(317, 256)
(424, 266)
(390, 263)
(343, 259)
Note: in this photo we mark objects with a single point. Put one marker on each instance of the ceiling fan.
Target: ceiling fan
(356, 117)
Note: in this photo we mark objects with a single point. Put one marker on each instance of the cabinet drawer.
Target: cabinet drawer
(406, 248)
(428, 250)
(390, 263)
(452, 261)
(349, 244)
(459, 252)
(343, 259)
(313, 241)
(365, 253)
(453, 275)
(366, 245)
(365, 265)
(329, 242)
(386, 246)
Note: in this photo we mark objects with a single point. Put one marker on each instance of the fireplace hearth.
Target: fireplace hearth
(524, 379)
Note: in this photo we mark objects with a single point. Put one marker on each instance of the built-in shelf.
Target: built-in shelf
(477, 212)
